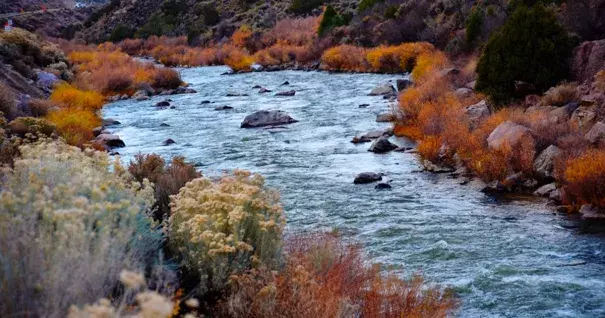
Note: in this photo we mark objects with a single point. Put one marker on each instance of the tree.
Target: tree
(330, 20)
(531, 47)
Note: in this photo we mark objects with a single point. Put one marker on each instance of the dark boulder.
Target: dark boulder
(169, 142)
(402, 84)
(223, 108)
(382, 186)
(367, 177)
(109, 141)
(382, 145)
(164, 103)
(286, 93)
(267, 118)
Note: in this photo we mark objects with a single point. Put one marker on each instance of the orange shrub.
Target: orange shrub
(429, 148)
(279, 54)
(324, 277)
(345, 58)
(297, 32)
(75, 125)
(239, 61)
(72, 97)
(241, 35)
(111, 81)
(427, 64)
(166, 78)
(584, 177)
(397, 59)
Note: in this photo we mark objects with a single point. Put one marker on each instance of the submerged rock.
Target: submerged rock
(110, 141)
(285, 83)
(382, 186)
(367, 177)
(286, 93)
(164, 125)
(364, 105)
(267, 118)
(110, 122)
(382, 145)
(223, 107)
(169, 142)
(164, 103)
(264, 90)
(236, 94)
(205, 102)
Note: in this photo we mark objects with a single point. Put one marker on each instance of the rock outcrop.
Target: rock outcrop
(588, 59)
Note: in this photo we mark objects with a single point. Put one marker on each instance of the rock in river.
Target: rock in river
(110, 141)
(385, 89)
(164, 103)
(169, 142)
(267, 118)
(223, 108)
(286, 93)
(367, 177)
(382, 145)
(382, 186)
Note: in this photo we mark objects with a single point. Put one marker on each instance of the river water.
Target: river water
(504, 258)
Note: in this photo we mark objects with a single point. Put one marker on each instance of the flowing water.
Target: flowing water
(512, 258)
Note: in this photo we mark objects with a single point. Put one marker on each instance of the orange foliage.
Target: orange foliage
(239, 61)
(240, 36)
(75, 125)
(296, 32)
(584, 177)
(429, 148)
(280, 54)
(345, 58)
(324, 277)
(72, 97)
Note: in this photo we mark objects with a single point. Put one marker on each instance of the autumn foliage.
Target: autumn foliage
(584, 177)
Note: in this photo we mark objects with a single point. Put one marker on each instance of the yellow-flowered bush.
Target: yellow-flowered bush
(225, 227)
(70, 222)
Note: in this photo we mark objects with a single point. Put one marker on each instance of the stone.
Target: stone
(364, 105)
(164, 125)
(110, 122)
(286, 93)
(463, 92)
(544, 164)
(190, 91)
(434, 168)
(402, 84)
(368, 137)
(236, 94)
(256, 87)
(264, 90)
(531, 100)
(267, 118)
(382, 145)
(367, 177)
(591, 213)
(223, 108)
(596, 135)
(384, 89)
(449, 72)
(110, 141)
(382, 186)
(285, 83)
(164, 103)
(141, 98)
(205, 102)
(169, 142)
(545, 190)
(385, 118)
(524, 88)
(97, 131)
(585, 117)
(508, 134)
(588, 59)
(471, 85)
(477, 112)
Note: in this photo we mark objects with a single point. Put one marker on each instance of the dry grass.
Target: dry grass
(560, 95)
(323, 277)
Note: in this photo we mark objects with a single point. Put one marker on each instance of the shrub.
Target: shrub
(301, 31)
(40, 107)
(473, 27)
(225, 227)
(324, 277)
(72, 97)
(75, 125)
(560, 95)
(7, 101)
(344, 58)
(367, 4)
(167, 180)
(584, 177)
(330, 19)
(239, 61)
(69, 224)
(530, 47)
(166, 78)
(121, 32)
(30, 125)
(304, 6)
(240, 36)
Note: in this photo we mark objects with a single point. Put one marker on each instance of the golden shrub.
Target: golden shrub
(584, 177)
(225, 227)
(72, 97)
(239, 61)
(75, 125)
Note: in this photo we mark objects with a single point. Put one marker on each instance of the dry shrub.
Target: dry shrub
(280, 54)
(323, 277)
(167, 179)
(240, 36)
(111, 81)
(72, 97)
(560, 95)
(430, 147)
(131, 46)
(40, 107)
(7, 101)
(397, 59)
(30, 125)
(297, 32)
(584, 177)
(239, 61)
(70, 222)
(75, 125)
(166, 78)
(345, 58)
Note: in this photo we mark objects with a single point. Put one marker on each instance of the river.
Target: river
(504, 258)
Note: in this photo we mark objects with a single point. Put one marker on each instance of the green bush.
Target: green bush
(70, 222)
(473, 27)
(367, 4)
(121, 32)
(531, 47)
(391, 12)
(331, 19)
(223, 228)
(304, 6)
(208, 13)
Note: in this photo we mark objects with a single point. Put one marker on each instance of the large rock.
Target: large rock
(110, 141)
(402, 84)
(545, 190)
(508, 134)
(267, 118)
(382, 145)
(385, 118)
(107, 122)
(477, 112)
(463, 92)
(591, 213)
(367, 177)
(588, 59)
(563, 114)
(286, 93)
(596, 135)
(384, 89)
(545, 162)
(375, 134)
(585, 117)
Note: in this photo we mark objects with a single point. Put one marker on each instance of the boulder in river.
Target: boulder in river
(367, 177)
(384, 89)
(164, 125)
(382, 186)
(286, 93)
(236, 94)
(591, 213)
(375, 134)
(402, 84)
(205, 102)
(109, 141)
(110, 122)
(267, 118)
(382, 145)
(364, 105)
(223, 107)
(263, 90)
(256, 87)
(169, 142)
(285, 83)
(385, 118)
(163, 103)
